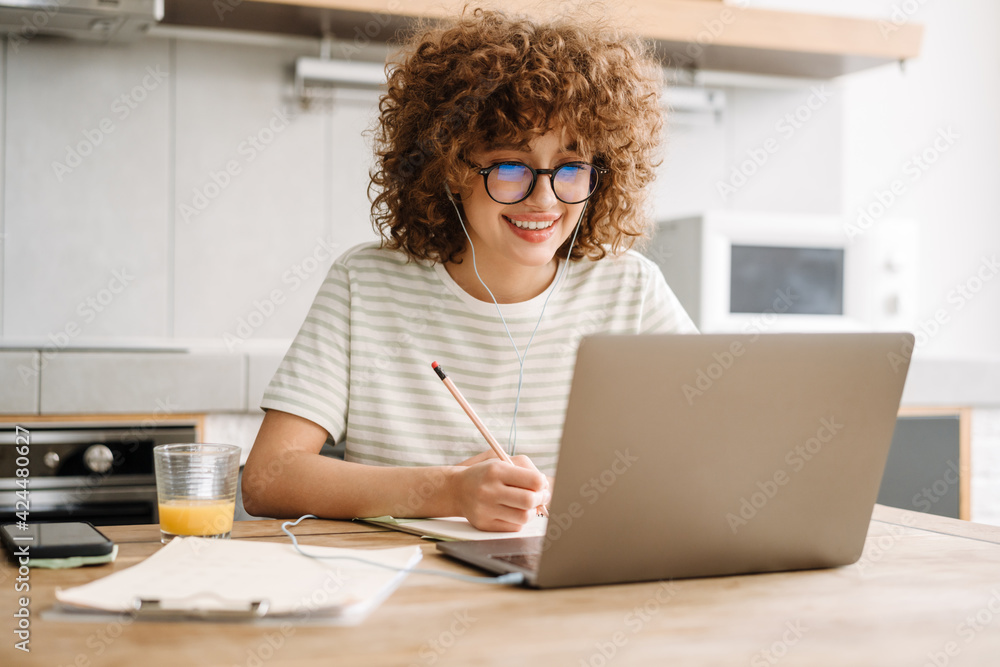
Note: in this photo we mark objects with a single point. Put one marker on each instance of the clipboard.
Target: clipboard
(156, 610)
(194, 578)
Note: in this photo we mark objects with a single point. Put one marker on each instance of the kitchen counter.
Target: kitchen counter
(143, 381)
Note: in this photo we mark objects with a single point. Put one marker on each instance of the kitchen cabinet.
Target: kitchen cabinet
(687, 33)
(928, 468)
(86, 209)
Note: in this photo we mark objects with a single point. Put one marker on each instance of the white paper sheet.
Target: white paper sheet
(197, 573)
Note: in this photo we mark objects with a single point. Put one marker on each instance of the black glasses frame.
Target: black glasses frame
(551, 173)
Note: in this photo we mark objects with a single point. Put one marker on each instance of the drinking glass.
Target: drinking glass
(196, 489)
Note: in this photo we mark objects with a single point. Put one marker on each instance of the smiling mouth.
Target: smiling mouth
(530, 224)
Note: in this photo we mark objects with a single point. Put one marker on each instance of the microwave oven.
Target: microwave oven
(754, 272)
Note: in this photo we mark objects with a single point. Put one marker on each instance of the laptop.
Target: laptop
(709, 455)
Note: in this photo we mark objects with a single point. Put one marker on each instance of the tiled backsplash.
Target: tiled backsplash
(191, 212)
(188, 196)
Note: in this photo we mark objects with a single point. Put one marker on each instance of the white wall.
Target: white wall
(706, 166)
(954, 87)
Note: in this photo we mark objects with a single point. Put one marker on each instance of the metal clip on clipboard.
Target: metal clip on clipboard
(150, 610)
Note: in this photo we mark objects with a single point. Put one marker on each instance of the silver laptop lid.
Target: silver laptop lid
(687, 456)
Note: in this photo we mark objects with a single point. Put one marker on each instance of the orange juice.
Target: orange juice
(197, 517)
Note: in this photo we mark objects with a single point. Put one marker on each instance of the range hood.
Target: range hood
(97, 20)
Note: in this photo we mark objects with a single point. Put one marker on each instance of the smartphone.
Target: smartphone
(62, 539)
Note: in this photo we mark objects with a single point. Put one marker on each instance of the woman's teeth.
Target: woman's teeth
(528, 224)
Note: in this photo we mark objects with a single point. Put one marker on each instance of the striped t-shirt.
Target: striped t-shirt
(360, 366)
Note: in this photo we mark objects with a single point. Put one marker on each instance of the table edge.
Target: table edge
(936, 524)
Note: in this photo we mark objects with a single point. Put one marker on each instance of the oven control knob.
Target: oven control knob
(98, 458)
(51, 460)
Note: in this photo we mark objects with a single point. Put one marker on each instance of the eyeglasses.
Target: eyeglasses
(513, 182)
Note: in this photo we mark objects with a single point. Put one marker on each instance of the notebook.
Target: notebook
(704, 455)
(455, 528)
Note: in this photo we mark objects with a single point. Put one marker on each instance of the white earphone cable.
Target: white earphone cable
(512, 578)
(512, 434)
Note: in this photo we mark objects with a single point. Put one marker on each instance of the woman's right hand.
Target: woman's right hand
(496, 496)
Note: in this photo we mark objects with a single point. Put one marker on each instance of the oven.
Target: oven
(83, 471)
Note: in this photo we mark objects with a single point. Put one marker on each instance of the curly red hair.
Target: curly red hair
(489, 78)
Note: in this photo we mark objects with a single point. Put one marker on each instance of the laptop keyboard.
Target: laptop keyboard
(527, 560)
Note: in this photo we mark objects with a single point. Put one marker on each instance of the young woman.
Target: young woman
(514, 158)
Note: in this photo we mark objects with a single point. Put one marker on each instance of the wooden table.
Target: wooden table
(926, 592)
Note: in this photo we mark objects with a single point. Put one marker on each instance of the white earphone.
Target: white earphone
(512, 435)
